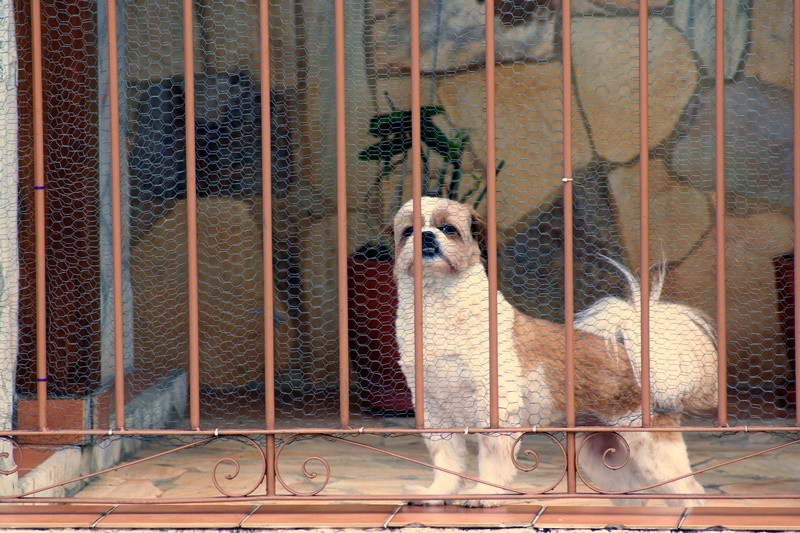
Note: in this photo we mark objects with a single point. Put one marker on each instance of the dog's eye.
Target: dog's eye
(448, 229)
(408, 232)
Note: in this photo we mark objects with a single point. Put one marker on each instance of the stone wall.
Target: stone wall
(605, 76)
(605, 154)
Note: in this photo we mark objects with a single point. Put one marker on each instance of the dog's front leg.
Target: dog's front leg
(496, 466)
(448, 452)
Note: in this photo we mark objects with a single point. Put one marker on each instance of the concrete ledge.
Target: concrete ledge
(161, 405)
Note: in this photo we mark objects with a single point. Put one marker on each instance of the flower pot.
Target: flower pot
(784, 286)
(372, 304)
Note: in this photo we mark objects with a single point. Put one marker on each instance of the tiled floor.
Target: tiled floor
(375, 515)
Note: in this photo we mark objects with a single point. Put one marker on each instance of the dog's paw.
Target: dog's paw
(480, 490)
(422, 490)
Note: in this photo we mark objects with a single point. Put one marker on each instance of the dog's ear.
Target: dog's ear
(478, 229)
(388, 231)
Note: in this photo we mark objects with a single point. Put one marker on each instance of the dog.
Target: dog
(531, 367)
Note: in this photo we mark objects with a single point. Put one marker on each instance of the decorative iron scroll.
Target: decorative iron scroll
(323, 481)
(237, 470)
(4, 455)
(616, 455)
(215, 473)
(611, 447)
(532, 454)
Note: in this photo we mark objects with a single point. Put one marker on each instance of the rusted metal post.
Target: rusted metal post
(569, 266)
(644, 211)
(719, 155)
(491, 216)
(41, 224)
(191, 220)
(416, 173)
(116, 215)
(266, 242)
(341, 213)
(796, 177)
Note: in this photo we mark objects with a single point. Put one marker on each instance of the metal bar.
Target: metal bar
(719, 154)
(266, 245)
(191, 220)
(644, 210)
(401, 431)
(569, 267)
(491, 216)
(796, 180)
(341, 214)
(416, 173)
(116, 215)
(622, 517)
(41, 224)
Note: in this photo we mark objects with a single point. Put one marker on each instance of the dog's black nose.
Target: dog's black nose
(430, 246)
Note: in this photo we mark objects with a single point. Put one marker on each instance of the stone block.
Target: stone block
(614, 7)
(755, 347)
(452, 36)
(529, 131)
(230, 295)
(680, 215)
(697, 20)
(758, 142)
(231, 39)
(606, 63)
(155, 40)
(770, 55)
(531, 253)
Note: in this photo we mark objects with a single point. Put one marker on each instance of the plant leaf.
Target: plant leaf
(386, 149)
(435, 138)
(394, 123)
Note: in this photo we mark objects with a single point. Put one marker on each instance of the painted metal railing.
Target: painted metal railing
(276, 438)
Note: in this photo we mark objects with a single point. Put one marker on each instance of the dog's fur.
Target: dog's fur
(531, 362)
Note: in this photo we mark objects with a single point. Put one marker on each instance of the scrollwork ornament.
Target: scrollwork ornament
(306, 469)
(237, 470)
(9, 456)
(613, 450)
(533, 455)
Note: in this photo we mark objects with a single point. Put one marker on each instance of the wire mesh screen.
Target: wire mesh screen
(229, 98)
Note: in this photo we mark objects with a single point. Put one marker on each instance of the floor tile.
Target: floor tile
(51, 516)
(603, 517)
(761, 518)
(320, 515)
(455, 516)
(176, 516)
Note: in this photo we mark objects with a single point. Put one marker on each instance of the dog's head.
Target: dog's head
(452, 236)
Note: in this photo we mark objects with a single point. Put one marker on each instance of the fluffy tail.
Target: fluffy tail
(683, 348)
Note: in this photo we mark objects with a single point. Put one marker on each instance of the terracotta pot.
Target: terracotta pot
(372, 304)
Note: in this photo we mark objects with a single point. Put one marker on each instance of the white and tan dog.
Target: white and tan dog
(531, 362)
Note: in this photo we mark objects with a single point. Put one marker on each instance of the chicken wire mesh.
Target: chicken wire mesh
(229, 101)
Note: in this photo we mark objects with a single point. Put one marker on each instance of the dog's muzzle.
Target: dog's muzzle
(430, 246)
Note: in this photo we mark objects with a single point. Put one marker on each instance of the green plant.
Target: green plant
(392, 150)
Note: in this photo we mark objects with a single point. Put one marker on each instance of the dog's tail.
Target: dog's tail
(683, 348)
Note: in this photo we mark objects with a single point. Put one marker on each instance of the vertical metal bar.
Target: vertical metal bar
(341, 213)
(719, 149)
(41, 227)
(266, 245)
(191, 220)
(569, 266)
(116, 215)
(644, 211)
(416, 173)
(796, 180)
(491, 217)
